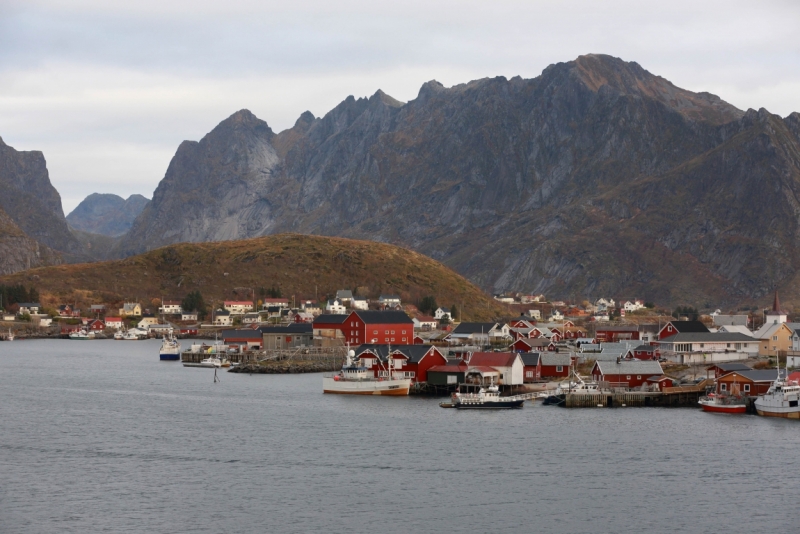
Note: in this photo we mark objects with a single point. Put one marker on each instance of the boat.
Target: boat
(486, 398)
(781, 400)
(170, 348)
(210, 362)
(135, 334)
(82, 335)
(723, 404)
(10, 335)
(119, 335)
(355, 379)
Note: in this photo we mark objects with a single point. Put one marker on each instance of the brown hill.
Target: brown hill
(300, 266)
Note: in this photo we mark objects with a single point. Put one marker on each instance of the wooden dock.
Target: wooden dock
(631, 399)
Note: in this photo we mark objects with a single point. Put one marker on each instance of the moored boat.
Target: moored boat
(355, 379)
(781, 400)
(170, 348)
(486, 398)
(723, 404)
(82, 335)
(210, 362)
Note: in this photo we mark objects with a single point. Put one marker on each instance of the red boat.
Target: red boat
(723, 404)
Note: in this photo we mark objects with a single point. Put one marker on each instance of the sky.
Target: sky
(108, 90)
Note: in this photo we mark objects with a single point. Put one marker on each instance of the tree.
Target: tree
(274, 292)
(194, 302)
(428, 304)
(454, 312)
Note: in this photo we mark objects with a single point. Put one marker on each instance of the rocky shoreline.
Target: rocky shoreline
(287, 367)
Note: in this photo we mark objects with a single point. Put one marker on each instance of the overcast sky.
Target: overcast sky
(107, 90)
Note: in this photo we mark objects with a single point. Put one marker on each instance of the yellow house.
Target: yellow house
(131, 309)
(775, 339)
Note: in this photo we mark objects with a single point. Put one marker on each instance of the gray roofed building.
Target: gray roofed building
(530, 358)
(760, 375)
(630, 367)
(414, 353)
(344, 294)
(709, 337)
(554, 358)
(384, 317)
(474, 328)
(730, 320)
(331, 318)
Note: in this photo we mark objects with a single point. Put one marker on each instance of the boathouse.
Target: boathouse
(751, 383)
(721, 369)
(614, 333)
(682, 327)
(450, 374)
(364, 326)
(286, 337)
(643, 352)
(408, 361)
(554, 365)
(625, 373)
(242, 337)
(508, 364)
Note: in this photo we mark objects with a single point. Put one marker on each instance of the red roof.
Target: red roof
(426, 319)
(483, 369)
(112, 319)
(493, 359)
(238, 303)
(449, 368)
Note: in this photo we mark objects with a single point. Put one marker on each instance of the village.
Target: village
(621, 347)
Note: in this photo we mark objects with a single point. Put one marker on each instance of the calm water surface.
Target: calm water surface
(99, 436)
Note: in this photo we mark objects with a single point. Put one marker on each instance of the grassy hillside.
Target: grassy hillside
(299, 265)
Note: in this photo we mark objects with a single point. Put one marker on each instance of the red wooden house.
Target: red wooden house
(574, 332)
(522, 323)
(371, 327)
(681, 327)
(65, 310)
(532, 370)
(522, 345)
(554, 365)
(660, 382)
(96, 325)
(408, 361)
(614, 333)
(643, 352)
(752, 383)
(626, 373)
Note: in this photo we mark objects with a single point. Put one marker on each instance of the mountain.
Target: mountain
(594, 178)
(300, 266)
(32, 203)
(18, 251)
(106, 214)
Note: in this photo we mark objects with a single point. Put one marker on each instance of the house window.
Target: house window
(528, 374)
(747, 388)
(404, 339)
(398, 364)
(392, 340)
(403, 332)
(669, 328)
(638, 377)
(774, 338)
(374, 331)
(559, 368)
(628, 377)
(392, 332)
(386, 332)
(723, 387)
(702, 345)
(452, 379)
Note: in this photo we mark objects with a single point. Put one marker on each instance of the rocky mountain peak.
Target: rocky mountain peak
(106, 214)
(429, 90)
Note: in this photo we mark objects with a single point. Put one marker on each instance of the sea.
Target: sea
(101, 436)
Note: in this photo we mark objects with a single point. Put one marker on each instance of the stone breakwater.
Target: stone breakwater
(288, 367)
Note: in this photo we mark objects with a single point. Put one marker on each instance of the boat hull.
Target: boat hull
(786, 413)
(499, 405)
(392, 388)
(723, 408)
(167, 357)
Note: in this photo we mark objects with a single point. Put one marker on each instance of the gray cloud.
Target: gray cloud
(108, 90)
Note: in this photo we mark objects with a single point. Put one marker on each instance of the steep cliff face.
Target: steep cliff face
(595, 178)
(106, 214)
(217, 189)
(18, 251)
(31, 201)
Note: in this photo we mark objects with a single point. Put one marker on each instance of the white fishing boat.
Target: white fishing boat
(135, 334)
(780, 400)
(485, 398)
(119, 335)
(82, 335)
(170, 348)
(210, 362)
(355, 379)
(10, 335)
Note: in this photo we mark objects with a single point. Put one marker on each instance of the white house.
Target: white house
(114, 322)
(440, 313)
(424, 321)
(602, 304)
(45, 320)
(335, 307)
(344, 296)
(359, 303)
(556, 316)
(189, 316)
(708, 347)
(536, 314)
(222, 318)
(389, 301)
(238, 307)
(504, 299)
(31, 308)
(509, 365)
(170, 307)
(251, 318)
(632, 306)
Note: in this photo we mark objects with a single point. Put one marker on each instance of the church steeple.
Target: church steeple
(776, 315)
(776, 304)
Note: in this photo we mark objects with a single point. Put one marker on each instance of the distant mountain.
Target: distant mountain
(31, 201)
(595, 178)
(106, 214)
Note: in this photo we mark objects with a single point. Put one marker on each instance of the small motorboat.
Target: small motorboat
(486, 398)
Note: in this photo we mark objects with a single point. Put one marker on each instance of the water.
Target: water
(100, 436)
